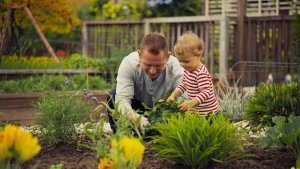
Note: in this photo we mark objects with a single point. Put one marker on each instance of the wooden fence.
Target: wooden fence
(254, 8)
(239, 38)
(265, 40)
(117, 39)
(268, 39)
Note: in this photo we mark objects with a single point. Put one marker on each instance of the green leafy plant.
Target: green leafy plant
(100, 141)
(286, 132)
(53, 83)
(195, 141)
(161, 109)
(124, 126)
(56, 166)
(57, 113)
(271, 100)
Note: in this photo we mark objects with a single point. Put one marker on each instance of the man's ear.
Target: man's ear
(168, 55)
(139, 52)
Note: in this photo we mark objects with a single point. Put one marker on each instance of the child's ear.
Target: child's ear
(199, 53)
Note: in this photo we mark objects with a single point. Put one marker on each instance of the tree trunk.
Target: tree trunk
(3, 32)
(40, 33)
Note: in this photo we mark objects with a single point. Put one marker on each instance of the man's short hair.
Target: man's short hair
(154, 42)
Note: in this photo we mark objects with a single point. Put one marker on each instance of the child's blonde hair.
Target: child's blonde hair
(188, 42)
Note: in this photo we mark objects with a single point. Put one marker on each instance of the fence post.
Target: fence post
(146, 27)
(84, 39)
(224, 40)
(206, 7)
(240, 31)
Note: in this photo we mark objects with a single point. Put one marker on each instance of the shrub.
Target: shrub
(58, 113)
(53, 82)
(286, 133)
(195, 141)
(231, 100)
(271, 100)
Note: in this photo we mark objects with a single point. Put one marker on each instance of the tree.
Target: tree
(124, 9)
(162, 8)
(53, 16)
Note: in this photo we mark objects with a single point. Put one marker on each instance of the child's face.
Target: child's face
(190, 61)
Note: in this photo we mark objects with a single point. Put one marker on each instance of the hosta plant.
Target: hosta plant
(271, 100)
(286, 132)
(57, 113)
(195, 141)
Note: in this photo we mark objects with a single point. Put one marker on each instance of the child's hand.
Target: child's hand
(170, 98)
(187, 105)
(184, 106)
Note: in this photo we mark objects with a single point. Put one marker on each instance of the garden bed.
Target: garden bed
(17, 107)
(72, 158)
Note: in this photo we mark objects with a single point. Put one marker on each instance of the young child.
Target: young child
(196, 80)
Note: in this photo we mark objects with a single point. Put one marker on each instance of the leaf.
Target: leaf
(279, 120)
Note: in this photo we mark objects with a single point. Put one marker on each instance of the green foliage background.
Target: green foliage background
(271, 100)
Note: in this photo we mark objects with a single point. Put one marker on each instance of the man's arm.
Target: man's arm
(125, 86)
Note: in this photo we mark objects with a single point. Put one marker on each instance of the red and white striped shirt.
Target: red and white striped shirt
(199, 85)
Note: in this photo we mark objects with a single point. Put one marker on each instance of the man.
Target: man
(149, 73)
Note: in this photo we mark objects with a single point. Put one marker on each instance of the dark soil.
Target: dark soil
(73, 158)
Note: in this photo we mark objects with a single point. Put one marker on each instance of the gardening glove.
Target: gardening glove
(143, 124)
(132, 116)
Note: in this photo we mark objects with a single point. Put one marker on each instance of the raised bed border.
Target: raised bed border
(17, 107)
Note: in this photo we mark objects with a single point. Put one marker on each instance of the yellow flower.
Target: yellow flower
(10, 133)
(7, 139)
(133, 149)
(105, 164)
(3, 147)
(26, 145)
(113, 143)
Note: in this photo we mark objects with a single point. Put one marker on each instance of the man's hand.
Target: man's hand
(131, 117)
(143, 122)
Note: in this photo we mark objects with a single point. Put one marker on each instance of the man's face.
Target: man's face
(152, 64)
